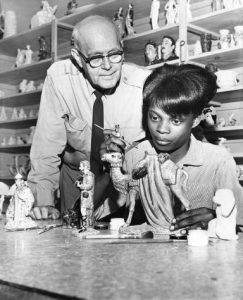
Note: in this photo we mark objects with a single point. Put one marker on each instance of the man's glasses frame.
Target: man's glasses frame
(97, 60)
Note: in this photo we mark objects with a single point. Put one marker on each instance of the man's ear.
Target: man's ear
(76, 57)
(196, 122)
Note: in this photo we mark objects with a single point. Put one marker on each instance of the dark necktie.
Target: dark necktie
(97, 138)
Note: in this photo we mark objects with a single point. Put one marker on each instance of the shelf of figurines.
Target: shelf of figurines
(226, 131)
(22, 148)
(21, 99)
(229, 94)
(216, 20)
(21, 123)
(34, 71)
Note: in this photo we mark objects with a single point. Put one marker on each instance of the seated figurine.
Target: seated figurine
(46, 15)
(21, 203)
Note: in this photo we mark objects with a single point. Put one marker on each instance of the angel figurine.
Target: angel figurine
(21, 203)
(118, 20)
(129, 20)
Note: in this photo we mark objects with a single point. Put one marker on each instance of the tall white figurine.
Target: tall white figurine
(3, 114)
(154, 14)
(171, 12)
(129, 20)
(28, 55)
(20, 58)
(224, 226)
(21, 203)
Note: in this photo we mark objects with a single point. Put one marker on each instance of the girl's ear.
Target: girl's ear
(76, 57)
(196, 122)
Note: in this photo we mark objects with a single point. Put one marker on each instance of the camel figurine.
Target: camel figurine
(156, 179)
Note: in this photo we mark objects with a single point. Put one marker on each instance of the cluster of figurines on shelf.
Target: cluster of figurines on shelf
(15, 114)
(45, 15)
(125, 24)
(225, 4)
(167, 50)
(29, 86)
(18, 140)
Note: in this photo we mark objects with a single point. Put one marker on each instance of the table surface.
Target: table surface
(59, 262)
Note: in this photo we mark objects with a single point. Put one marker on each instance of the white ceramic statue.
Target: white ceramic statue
(20, 58)
(224, 226)
(30, 86)
(19, 207)
(3, 114)
(171, 12)
(28, 55)
(129, 20)
(46, 15)
(154, 14)
(23, 86)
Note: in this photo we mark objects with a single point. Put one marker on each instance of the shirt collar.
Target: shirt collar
(194, 156)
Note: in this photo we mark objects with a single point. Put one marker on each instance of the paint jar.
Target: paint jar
(197, 237)
(116, 223)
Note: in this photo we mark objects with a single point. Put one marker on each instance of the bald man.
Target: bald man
(63, 133)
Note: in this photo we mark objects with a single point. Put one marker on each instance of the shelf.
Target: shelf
(10, 44)
(221, 19)
(169, 62)
(224, 59)
(35, 71)
(238, 155)
(227, 131)
(232, 94)
(21, 99)
(23, 123)
(134, 45)
(16, 149)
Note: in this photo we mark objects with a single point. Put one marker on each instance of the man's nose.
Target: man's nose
(106, 63)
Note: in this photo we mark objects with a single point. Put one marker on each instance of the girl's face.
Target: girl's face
(170, 134)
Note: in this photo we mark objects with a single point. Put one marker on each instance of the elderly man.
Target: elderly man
(94, 87)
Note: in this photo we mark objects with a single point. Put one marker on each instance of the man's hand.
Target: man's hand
(113, 142)
(44, 213)
(193, 218)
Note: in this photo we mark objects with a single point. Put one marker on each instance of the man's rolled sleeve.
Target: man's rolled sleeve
(48, 143)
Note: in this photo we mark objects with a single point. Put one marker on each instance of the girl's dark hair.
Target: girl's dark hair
(178, 90)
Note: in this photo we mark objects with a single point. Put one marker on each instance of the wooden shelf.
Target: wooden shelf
(170, 62)
(23, 123)
(10, 44)
(21, 99)
(224, 59)
(225, 18)
(227, 131)
(232, 94)
(134, 45)
(238, 155)
(16, 149)
(35, 71)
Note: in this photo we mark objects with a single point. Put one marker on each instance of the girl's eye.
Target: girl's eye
(153, 117)
(176, 121)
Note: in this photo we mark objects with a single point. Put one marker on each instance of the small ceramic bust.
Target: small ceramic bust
(151, 53)
(168, 45)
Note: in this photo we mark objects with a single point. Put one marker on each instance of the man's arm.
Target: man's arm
(48, 143)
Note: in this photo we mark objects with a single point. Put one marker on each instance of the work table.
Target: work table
(59, 262)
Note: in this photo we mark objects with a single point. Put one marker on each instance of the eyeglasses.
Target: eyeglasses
(97, 60)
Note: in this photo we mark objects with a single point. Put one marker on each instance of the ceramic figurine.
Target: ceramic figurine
(23, 86)
(221, 122)
(154, 14)
(14, 114)
(209, 116)
(224, 226)
(118, 20)
(3, 114)
(22, 114)
(46, 15)
(20, 59)
(170, 12)
(19, 140)
(71, 7)
(86, 185)
(43, 52)
(19, 207)
(129, 20)
(233, 120)
(151, 53)
(217, 5)
(30, 86)
(28, 55)
(12, 140)
(197, 48)
(168, 46)
(4, 142)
